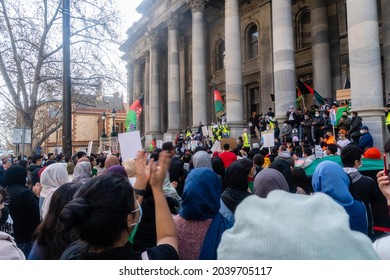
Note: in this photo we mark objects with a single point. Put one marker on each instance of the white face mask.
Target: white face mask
(140, 214)
(317, 115)
(284, 124)
(361, 131)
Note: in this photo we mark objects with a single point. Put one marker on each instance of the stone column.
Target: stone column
(365, 65)
(386, 43)
(182, 64)
(147, 93)
(199, 83)
(173, 76)
(234, 95)
(266, 71)
(284, 57)
(137, 79)
(320, 48)
(129, 67)
(155, 125)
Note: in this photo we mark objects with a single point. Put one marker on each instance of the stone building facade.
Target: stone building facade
(252, 49)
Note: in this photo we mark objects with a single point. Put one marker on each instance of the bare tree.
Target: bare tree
(31, 58)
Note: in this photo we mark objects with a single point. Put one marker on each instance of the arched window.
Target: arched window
(253, 41)
(304, 30)
(221, 55)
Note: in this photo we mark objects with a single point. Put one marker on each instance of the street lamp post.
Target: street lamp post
(113, 114)
(104, 135)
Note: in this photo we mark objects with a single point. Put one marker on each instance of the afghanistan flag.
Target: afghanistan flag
(134, 113)
(340, 111)
(218, 102)
(305, 89)
(299, 96)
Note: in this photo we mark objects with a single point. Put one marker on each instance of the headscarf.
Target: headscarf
(284, 167)
(111, 161)
(82, 172)
(52, 177)
(117, 169)
(237, 185)
(268, 180)
(200, 202)
(330, 178)
(283, 216)
(202, 159)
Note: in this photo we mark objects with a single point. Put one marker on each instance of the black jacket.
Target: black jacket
(24, 211)
(364, 189)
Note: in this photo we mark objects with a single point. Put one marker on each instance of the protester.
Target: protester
(366, 141)
(236, 190)
(362, 188)
(51, 239)
(23, 207)
(199, 223)
(105, 212)
(330, 178)
(269, 180)
(53, 177)
(227, 156)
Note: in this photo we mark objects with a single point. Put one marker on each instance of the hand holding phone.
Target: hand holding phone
(386, 161)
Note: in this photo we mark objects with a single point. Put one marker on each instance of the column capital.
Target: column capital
(137, 62)
(197, 5)
(172, 21)
(153, 39)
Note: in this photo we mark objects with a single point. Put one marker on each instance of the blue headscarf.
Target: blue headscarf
(330, 178)
(200, 202)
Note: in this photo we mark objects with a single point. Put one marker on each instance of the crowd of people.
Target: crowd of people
(243, 202)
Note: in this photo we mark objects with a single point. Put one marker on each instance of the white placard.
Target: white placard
(205, 130)
(268, 139)
(159, 144)
(89, 151)
(318, 151)
(210, 131)
(167, 137)
(130, 144)
(194, 144)
(332, 115)
(216, 146)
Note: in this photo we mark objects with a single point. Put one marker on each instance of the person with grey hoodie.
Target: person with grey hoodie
(284, 154)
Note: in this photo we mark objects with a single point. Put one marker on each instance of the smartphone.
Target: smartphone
(386, 160)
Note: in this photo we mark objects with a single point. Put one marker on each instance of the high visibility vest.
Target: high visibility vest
(245, 140)
(388, 119)
(188, 133)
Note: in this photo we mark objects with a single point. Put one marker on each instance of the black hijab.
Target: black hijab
(237, 184)
(284, 167)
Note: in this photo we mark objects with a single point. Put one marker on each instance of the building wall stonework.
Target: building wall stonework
(258, 70)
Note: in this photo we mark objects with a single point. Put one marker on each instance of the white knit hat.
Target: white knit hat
(382, 247)
(291, 226)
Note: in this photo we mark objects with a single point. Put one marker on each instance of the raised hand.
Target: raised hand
(384, 184)
(142, 170)
(159, 172)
